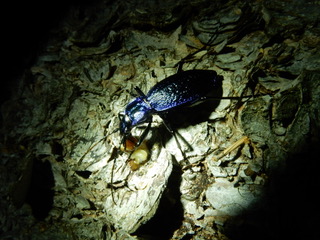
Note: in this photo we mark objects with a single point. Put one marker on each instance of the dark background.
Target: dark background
(25, 27)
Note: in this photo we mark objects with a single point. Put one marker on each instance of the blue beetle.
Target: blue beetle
(179, 90)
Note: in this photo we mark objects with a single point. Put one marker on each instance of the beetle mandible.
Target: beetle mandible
(179, 90)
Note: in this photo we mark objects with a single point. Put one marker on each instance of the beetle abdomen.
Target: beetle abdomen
(183, 88)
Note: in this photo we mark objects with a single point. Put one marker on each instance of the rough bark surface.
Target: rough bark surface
(61, 181)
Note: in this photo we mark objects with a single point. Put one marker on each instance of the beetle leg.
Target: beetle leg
(139, 91)
(145, 132)
(169, 128)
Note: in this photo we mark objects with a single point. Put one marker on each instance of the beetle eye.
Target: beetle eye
(127, 119)
(121, 115)
(125, 123)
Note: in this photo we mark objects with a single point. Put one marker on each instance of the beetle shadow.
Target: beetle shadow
(169, 214)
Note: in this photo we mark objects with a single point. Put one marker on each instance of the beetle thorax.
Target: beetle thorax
(138, 111)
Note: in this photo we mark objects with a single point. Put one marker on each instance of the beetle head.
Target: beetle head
(136, 112)
(125, 124)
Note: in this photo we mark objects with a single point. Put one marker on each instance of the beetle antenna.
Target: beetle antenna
(112, 175)
(111, 180)
(232, 98)
(113, 165)
(95, 144)
(139, 91)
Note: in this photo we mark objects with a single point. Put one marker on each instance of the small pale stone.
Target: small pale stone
(224, 197)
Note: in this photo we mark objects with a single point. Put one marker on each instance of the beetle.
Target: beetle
(183, 89)
(179, 90)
